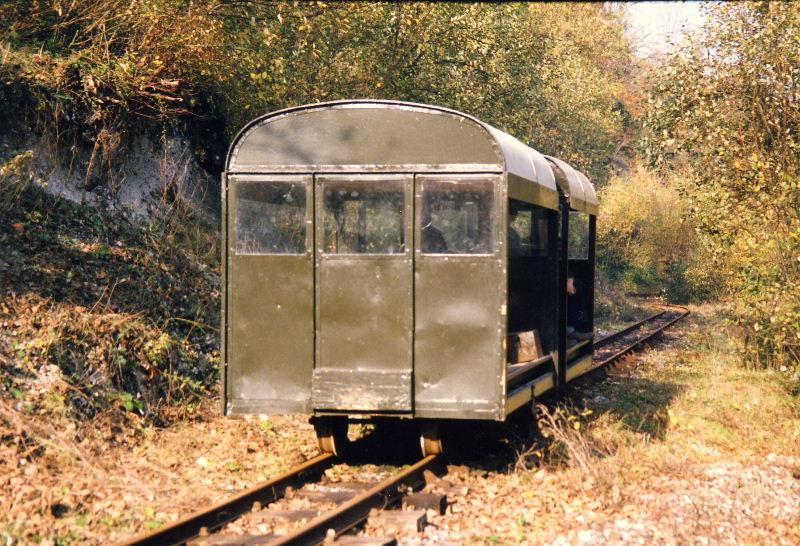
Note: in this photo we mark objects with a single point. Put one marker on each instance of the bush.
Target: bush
(121, 311)
(91, 74)
(645, 243)
(733, 119)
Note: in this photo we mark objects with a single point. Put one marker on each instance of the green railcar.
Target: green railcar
(379, 254)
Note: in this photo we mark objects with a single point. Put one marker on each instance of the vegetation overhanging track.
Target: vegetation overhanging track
(218, 515)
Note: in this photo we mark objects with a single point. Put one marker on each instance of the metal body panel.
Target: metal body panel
(464, 168)
(460, 324)
(354, 134)
(525, 163)
(519, 397)
(360, 390)
(522, 190)
(385, 136)
(270, 329)
(266, 406)
(364, 313)
(543, 384)
(364, 319)
(459, 359)
(223, 304)
(579, 367)
(592, 205)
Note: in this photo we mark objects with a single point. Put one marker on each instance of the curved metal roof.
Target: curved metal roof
(389, 136)
(575, 185)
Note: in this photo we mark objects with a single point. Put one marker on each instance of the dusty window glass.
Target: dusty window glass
(270, 218)
(456, 217)
(527, 229)
(364, 217)
(578, 236)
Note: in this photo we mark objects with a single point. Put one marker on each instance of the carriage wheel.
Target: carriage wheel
(430, 439)
(332, 434)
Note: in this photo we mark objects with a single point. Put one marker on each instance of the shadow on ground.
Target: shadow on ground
(640, 404)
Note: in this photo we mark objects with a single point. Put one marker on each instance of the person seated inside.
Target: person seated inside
(578, 324)
(514, 240)
(433, 242)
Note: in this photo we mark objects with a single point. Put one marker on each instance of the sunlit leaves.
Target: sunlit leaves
(532, 70)
(729, 106)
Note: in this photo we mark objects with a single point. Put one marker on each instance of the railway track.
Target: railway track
(614, 346)
(305, 510)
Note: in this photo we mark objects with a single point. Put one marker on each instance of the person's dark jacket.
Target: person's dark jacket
(577, 310)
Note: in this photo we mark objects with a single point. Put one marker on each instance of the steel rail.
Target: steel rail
(683, 312)
(616, 335)
(356, 510)
(221, 513)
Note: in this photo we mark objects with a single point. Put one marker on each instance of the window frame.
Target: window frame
(490, 180)
(537, 212)
(405, 181)
(585, 236)
(237, 181)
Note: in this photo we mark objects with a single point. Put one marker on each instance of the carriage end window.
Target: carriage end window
(457, 217)
(527, 230)
(270, 218)
(578, 236)
(364, 217)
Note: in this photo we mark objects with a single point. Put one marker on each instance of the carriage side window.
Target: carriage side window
(527, 230)
(578, 236)
(457, 217)
(364, 217)
(270, 218)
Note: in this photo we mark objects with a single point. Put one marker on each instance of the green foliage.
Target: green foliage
(645, 241)
(531, 69)
(726, 106)
(127, 400)
(90, 72)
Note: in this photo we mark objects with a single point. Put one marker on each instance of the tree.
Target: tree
(728, 106)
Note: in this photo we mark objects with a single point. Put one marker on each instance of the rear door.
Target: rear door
(364, 283)
(270, 295)
(459, 292)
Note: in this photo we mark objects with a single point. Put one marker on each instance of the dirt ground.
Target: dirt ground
(679, 445)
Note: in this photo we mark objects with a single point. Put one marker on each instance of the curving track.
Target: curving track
(355, 508)
(616, 345)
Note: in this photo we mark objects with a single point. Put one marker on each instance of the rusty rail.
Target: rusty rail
(356, 510)
(219, 514)
(616, 335)
(683, 312)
